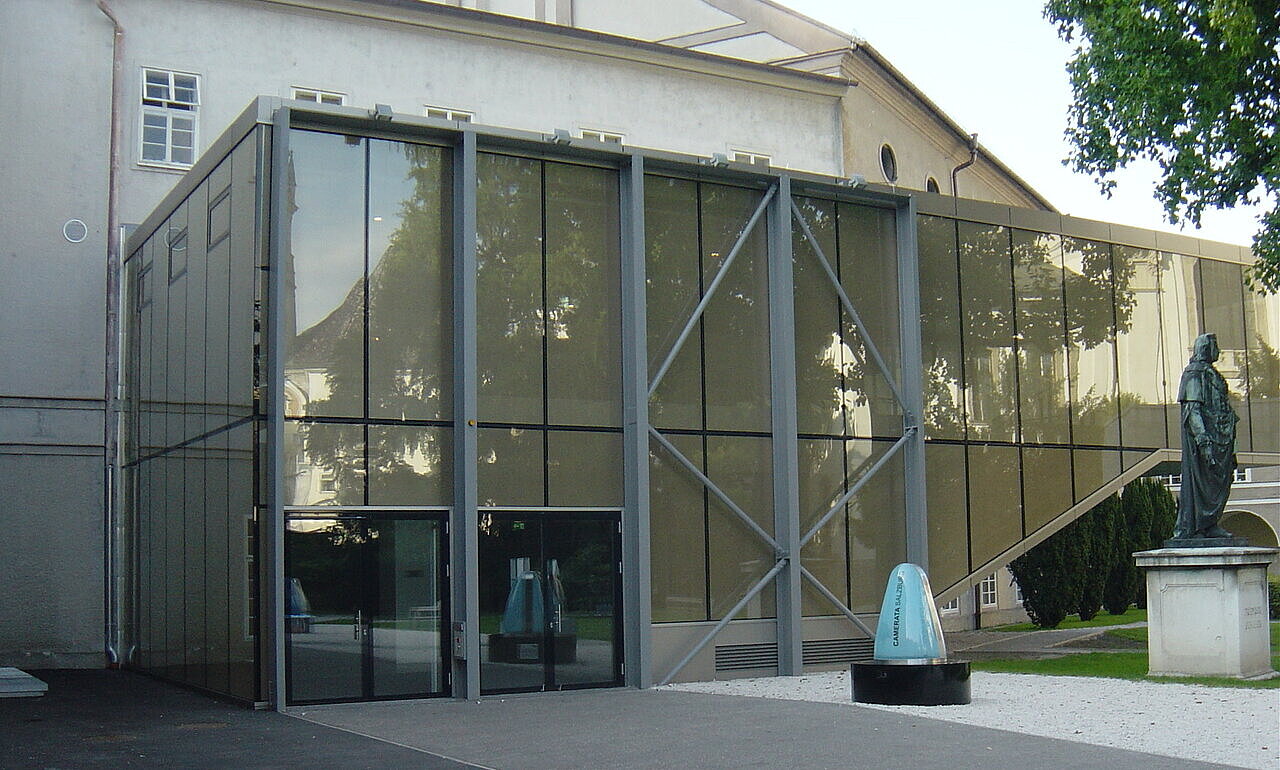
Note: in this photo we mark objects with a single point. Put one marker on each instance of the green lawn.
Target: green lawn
(1104, 618)
(1123, 665)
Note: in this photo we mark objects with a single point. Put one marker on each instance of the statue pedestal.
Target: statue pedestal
(1207, 611)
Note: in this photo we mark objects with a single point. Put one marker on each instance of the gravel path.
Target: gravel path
(1214, 724)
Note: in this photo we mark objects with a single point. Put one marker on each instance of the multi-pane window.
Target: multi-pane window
(448, 113)
(987, 591)
(609, 137)
(318, 96)
(170, 102)
(951, 607)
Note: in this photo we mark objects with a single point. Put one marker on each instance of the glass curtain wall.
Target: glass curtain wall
(713, 404)
(548, 347)
(848, 416)
(368, 323)
(191, 427)
(1051, 364)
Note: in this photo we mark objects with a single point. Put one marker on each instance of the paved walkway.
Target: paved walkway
(120, 719)
(1030, 644)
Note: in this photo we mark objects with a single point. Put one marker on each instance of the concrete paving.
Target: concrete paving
(116, 719)
(120, 719)
(1029, 644)
(665, 729)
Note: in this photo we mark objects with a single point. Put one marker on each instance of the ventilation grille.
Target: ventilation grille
(737, 657)
(826, 651)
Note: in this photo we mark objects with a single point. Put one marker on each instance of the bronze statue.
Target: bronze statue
(1208, 445)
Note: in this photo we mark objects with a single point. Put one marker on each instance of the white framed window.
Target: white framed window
(951, 608)
(170, 125)
(448, 113)
(598, 135)
(987, 590)
(747, 156)
(319, 96)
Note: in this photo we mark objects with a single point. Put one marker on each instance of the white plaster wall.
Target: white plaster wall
(55, 85)
(250, 49)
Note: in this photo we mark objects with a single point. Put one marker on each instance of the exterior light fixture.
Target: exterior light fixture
(380, 112)
(717, 159)
(560, 136)
(854, 182)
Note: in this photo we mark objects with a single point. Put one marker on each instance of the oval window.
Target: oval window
(888, 163)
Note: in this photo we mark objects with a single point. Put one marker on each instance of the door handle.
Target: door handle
(358, 624)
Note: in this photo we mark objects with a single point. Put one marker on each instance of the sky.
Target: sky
(997, 68)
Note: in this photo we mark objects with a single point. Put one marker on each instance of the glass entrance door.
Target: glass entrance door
(367, 607)
(550, 599)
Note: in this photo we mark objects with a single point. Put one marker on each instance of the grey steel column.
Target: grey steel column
(464, 520)
(786, 462)
(913, 462)
(636, 604)
(272, 621)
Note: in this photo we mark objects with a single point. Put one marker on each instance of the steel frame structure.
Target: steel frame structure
(783, 217)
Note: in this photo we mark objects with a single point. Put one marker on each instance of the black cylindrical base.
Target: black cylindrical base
(911, 684)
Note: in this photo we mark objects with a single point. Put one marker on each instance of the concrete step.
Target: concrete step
(20, 684)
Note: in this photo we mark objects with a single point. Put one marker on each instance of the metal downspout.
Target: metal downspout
(111, 422)
(973, 158)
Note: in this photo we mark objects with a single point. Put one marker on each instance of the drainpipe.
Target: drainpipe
(111, 446)
(973, 158)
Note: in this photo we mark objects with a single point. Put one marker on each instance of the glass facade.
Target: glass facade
(192, 430)
(1049, 365)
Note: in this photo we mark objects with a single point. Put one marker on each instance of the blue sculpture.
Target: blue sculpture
(909, 628)
(910, 666)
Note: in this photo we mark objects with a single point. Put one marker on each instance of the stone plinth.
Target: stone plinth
(1207, 611)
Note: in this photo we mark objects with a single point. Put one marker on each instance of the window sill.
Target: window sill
(172, 168)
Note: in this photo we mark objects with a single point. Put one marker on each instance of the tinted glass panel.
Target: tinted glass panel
(510, 467)
(1042, 350)
(877, 540)
(677, 527)
(736, 322)
(1223, 302)
(1141, 364)
(869, 274)
(822, 483)
(584, 468)
(509, 288)
(940, 329)
(820, 356)
(1091, 339)
(410, 465)
(743, 468)
(673, 290)
(948, 515)
(324, 302)
(410, 281)
(986, 295)
(1262, 326)
(995, 500)
(584, 357)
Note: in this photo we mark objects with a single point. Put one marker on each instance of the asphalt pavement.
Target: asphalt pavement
(122, 719)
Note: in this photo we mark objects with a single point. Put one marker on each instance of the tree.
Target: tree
(1050, 577)
(1190, 85)
(1124, 582)
(1096, 535)
(1164, 513)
